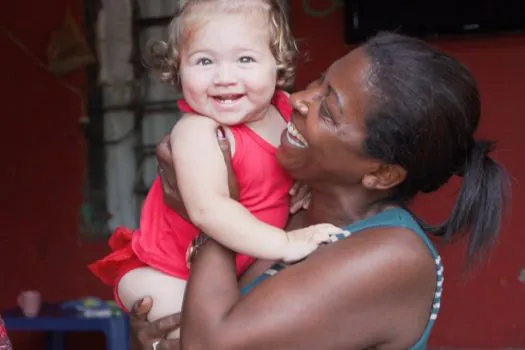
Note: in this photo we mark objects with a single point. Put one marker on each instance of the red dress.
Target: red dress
(164, 236)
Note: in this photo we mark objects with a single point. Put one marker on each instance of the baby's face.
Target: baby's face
(227, 69)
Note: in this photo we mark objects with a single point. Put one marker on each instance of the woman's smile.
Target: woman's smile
(294, 137)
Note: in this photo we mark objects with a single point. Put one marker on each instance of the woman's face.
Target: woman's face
(323, 143)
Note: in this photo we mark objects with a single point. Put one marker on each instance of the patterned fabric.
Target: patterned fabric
(396, 217)
(5, 344)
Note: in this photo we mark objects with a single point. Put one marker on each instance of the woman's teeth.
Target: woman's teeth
(294, 137)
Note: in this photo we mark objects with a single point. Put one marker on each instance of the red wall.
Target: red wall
(44, 158)
(44, 154)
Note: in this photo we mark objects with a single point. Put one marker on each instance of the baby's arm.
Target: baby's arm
(203, 184)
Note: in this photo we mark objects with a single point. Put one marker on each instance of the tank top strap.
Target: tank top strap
(390, 218)
(395, 217)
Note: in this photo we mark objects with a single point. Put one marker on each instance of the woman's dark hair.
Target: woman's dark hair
(423, 113)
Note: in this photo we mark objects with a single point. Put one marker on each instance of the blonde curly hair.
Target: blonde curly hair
(165, 56)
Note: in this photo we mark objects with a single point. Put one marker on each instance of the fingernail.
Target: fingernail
(302, 107)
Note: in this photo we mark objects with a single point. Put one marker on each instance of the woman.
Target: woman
(393, 118)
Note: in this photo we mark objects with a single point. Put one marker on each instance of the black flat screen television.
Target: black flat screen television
(432, 18)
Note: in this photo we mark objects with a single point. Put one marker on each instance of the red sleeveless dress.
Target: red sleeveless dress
(164, 236)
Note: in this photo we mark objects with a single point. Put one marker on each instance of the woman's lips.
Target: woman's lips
(294, 137)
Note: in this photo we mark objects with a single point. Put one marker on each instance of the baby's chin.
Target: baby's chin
(231, 119)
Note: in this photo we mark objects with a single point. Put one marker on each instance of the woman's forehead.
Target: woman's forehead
(348, 77)
(352, 68)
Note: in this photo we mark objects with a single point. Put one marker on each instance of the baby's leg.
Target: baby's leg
(166, 291)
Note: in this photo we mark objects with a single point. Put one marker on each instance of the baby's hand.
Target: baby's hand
(304, 241)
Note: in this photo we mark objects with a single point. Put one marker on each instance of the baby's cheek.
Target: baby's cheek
(195, 88)
(262, 79)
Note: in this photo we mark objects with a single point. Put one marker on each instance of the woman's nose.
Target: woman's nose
(301, 101)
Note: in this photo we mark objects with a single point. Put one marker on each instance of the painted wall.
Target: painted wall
(44, 159)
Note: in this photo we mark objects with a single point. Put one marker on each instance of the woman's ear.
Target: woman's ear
(385, 177)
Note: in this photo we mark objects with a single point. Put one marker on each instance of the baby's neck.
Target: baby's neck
(269, 126)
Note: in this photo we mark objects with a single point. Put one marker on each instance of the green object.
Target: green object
(321, 13)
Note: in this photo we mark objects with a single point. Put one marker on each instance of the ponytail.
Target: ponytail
(480, 204)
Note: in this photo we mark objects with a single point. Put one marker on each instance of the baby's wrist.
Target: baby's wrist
(285, 246)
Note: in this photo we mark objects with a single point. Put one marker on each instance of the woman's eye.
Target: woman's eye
(204, 61)
(325, 113)
(246, 59)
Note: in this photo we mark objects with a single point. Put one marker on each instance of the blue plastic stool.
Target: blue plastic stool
(56, 322)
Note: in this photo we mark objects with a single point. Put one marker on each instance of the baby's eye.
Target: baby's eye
(204, 61)
(246, 59)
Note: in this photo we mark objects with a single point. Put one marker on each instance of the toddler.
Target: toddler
(229, 57)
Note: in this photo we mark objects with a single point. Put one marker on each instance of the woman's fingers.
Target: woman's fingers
(163, 150)
(150, 332)
(225, 147)
(169, 344)
(159, 329)
(300, 197)
(141, 309)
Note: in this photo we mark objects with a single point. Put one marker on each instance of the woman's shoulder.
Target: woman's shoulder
(395, 220)
(400, 246)
(387, 266)
(394, 242)
(378, 282)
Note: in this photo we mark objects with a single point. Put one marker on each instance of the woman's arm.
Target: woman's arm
(360, 292)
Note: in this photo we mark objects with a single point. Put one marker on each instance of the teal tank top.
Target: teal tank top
(395, 217)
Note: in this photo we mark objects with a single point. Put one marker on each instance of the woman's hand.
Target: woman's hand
(301, 196)
(149, 333)
(167, 172)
